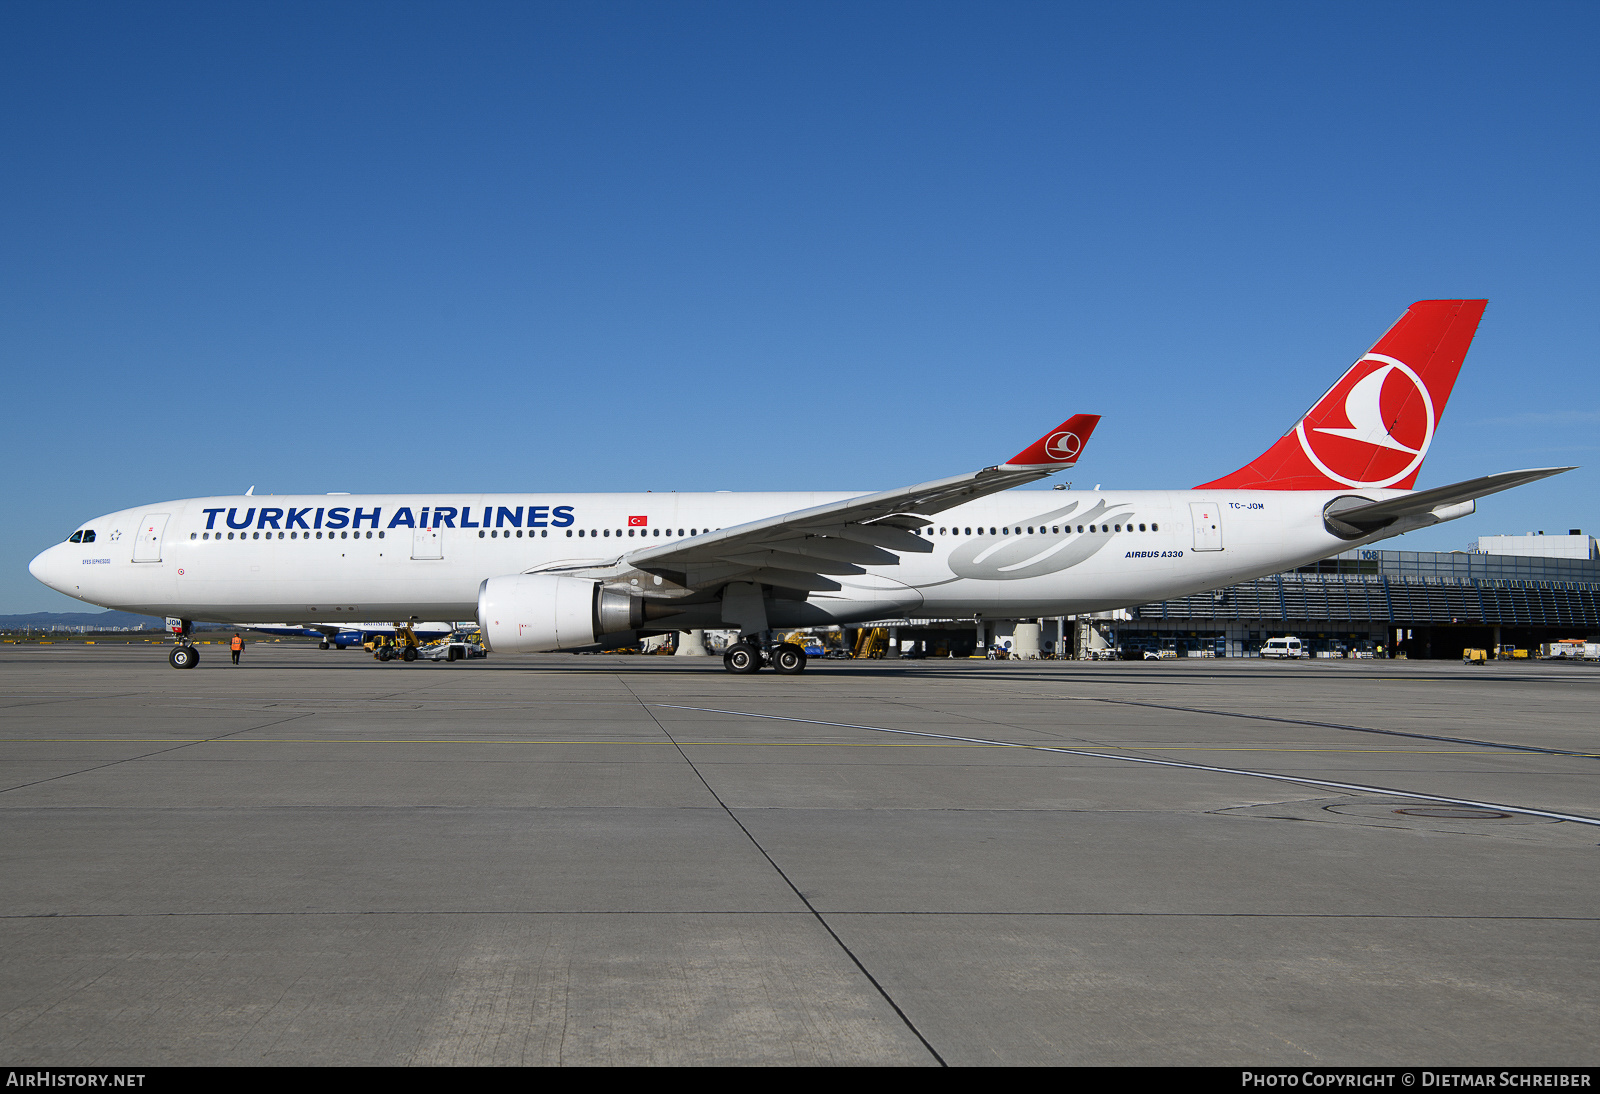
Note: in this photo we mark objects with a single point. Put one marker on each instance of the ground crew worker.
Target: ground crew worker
(238, 647)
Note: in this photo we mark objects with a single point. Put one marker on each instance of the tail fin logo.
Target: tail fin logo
(1373, 428)
(1063, 446)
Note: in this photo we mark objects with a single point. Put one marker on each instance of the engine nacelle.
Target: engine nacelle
(536, 613)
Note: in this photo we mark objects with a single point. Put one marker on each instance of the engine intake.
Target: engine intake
(535, 613)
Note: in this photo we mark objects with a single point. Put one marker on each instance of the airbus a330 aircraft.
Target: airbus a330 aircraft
(568, 571)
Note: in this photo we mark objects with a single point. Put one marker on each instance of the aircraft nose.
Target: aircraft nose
(46, 567)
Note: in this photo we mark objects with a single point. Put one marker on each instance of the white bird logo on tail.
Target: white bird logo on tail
(1364, 409)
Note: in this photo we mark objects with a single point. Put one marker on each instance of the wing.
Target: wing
(799, 550)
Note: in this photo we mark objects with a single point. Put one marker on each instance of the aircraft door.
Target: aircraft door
(147, 543)
(1207, 525)
(427, 543)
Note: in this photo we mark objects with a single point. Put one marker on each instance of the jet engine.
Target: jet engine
(534, 613)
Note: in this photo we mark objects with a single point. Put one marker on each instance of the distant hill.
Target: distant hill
(104, 620)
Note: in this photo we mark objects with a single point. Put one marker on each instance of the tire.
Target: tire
(789, 659)
(742, 659)
(322, 645)
(382, 653)
(183, 657)
(408, 654)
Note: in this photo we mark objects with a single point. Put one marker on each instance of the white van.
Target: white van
(1283, 647)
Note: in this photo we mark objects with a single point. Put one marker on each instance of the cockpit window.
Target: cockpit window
(85, 535)
(88, 535)
(76, 537)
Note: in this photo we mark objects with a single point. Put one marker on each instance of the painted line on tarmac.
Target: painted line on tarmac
(1275, 777)
(334, 741)
(1340, 725)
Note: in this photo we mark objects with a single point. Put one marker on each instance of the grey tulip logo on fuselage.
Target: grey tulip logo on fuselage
(1012, 558)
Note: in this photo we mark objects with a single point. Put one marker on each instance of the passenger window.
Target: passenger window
(1155, 527)
(1141, 527)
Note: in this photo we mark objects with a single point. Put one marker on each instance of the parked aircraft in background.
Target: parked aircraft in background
(570, 571)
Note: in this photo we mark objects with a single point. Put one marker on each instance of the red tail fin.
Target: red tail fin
(1373, 428)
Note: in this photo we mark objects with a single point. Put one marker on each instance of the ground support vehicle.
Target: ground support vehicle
(452, 649)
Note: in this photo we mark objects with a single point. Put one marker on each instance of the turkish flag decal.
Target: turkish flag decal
(638, 522)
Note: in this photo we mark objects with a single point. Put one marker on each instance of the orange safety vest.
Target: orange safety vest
(238, 643)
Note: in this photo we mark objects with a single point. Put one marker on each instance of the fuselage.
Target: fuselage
(1019, 554)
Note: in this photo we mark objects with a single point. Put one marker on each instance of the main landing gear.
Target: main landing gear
(745, 656)
(183, 655)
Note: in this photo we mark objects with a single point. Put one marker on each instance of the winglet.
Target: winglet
(1058, 448)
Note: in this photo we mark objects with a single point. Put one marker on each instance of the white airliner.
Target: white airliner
(568, 571)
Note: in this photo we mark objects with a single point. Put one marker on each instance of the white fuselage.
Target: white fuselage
(1019, 554)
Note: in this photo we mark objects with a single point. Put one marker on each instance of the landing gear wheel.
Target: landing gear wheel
(382, 653)
(408, 654)
(322, 645)
(742, 658)
(789, 659)
(183, 657)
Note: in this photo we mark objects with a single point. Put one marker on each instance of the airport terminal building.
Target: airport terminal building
(1423, 604)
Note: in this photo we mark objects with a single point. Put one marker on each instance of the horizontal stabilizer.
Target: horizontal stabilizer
(1353, 517)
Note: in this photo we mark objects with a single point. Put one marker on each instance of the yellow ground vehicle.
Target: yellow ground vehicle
(872, 642)
(402, 645)
(1474, 657)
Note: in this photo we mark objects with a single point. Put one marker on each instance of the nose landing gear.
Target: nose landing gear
(183, 655)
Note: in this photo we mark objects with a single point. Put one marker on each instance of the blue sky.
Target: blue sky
(376, 247)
